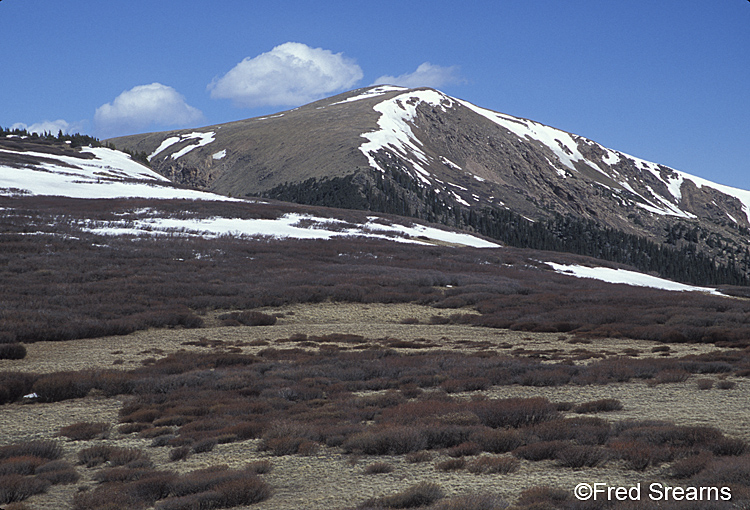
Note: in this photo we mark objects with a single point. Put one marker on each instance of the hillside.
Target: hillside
(424, 154)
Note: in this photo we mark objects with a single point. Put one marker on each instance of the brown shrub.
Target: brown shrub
(84, 430)
(205, 445)
(690, 466)
(578, 456)
(542, 495)
(379, 468)
(417, 457)
(44, 449)
(451, 464)
(472, 502)
(63, 386)
(669, 376)
(638, 456)
(542, 450)
(513, 412)
(466, 448)
(598, 406)
(59, 476)
(20, 465)
(704, 384)
(18, 488)
(493, 465)
(726, 385)
(496, 440)
(12, 351)
(179, 453)
(421, 494)
(259, 467)
(386, 441)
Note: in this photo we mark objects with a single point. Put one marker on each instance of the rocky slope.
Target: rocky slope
(422, 153)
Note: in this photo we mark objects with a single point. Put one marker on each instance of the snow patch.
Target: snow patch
(634, 278)
(110, 174)
(395, 132)
(203, 139)
(370, 93)
(220, 155)
(291, 225)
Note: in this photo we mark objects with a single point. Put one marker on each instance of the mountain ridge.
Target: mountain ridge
(422, 153)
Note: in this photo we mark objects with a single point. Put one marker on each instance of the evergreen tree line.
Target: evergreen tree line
(75, 139)
(397, 193)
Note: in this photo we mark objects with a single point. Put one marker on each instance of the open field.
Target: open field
(179, 372)
(325, 477)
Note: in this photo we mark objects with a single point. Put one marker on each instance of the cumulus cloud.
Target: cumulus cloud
(290, 74)
(426, 75)
(46, 126)
(144, 106)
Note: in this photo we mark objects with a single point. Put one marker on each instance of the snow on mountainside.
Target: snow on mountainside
(103, 173)
(95, 172)
(422, 153)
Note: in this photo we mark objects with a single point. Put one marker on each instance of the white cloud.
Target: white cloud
(144, 106)
(426, 75)
(290, 74)
(46, 126)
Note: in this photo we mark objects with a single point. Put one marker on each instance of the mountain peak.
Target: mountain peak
(423, 153)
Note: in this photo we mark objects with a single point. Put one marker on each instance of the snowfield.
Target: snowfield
(609, 275)
(288, 226)
(110, 174)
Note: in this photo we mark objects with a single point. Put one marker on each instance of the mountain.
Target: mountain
(422, 153)
(50, 167)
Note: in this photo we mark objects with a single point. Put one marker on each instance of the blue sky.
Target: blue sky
(667, 80)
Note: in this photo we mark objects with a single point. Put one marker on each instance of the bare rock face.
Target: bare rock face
(422, 153)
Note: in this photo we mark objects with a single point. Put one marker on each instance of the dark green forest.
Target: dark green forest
(397, 193)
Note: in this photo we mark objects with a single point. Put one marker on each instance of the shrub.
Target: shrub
(249, 318)
(726, 385)
(669, 376)
(421, 494)
(690, 466)
(99, 454)
(472, 502)
(12, 351)
(596, 406)
(542, 495)
(58, 472)
(497, 441)
(20, 465)
(704, 384)
(379, 468)
(205, 445)
(542, 450)
(386, 441)
(513, 412)
(577, 456)
(493, 465)
(50, 450)
(18, 488)
(62, 386)
(417, 457)
(179, 453)
(259, 467)
(84, 430)
(465, 448)
(451, 464)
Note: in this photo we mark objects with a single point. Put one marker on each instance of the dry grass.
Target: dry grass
(325, 478)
